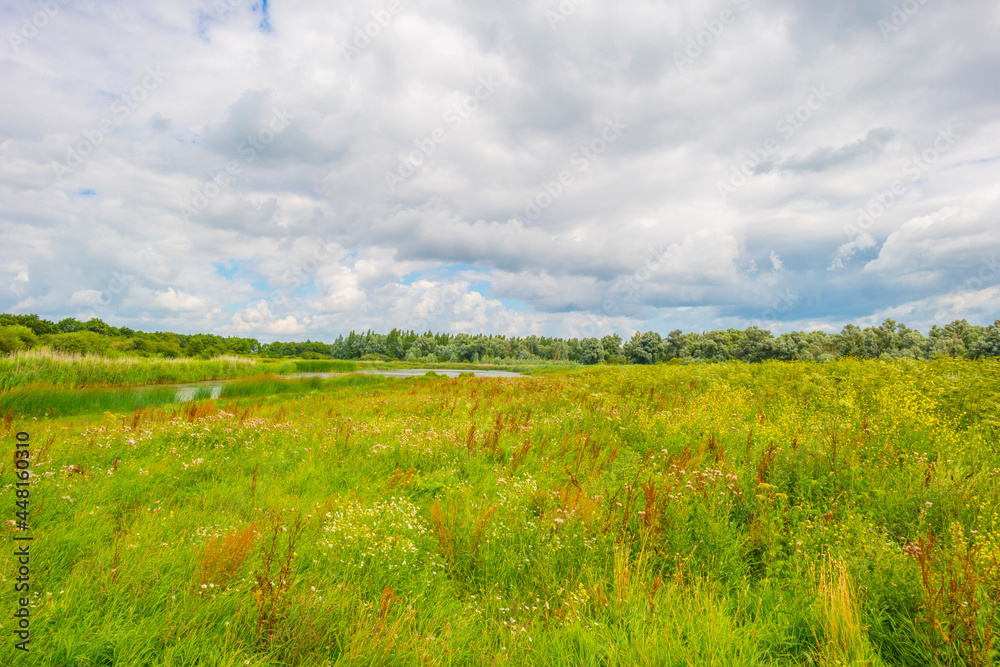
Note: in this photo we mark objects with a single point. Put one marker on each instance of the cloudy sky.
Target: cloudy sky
(292, 170)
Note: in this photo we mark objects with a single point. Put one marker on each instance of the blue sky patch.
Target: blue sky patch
(230, 268)
(265, 21)
(441, 272)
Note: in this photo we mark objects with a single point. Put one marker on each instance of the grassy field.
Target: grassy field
(722, 514)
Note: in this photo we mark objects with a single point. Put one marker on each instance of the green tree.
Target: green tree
(423, 346)
(643, 348)
(675, 345)
(612, 344)
(97, 326)
(591, 351)
(755, 345)
(37, 325)
(69, 325)
(886, 339)
(851, 341)
(392, 344)
(987, 345)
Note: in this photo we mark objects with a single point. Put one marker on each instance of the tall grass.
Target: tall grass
(322, 366)
(46, 367)
(64, 402)
(727, 514)
(272, 386)
(60, 401)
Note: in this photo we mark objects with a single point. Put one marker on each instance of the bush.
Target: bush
(168, 349)
(16, 337)
(134, 346)
(79, 342)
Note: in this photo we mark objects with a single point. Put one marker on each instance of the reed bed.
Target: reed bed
(36, 367)
(323, 366)
(845, 513)
(63, 402)
(274, 386)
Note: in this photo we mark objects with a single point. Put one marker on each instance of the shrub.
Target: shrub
(16, 337)
(78, 342)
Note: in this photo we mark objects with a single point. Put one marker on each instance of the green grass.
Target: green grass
(64, 402)
(58, 401)
(272, 386)
(335, 366)
(728, 514)
(36, 368)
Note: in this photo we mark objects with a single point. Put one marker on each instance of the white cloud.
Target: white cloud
(85, 297)
(921, 242)
(319, 182)
(776, 263)
(862, 241)
(19, 279)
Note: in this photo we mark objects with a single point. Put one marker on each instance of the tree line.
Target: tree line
(888, 340)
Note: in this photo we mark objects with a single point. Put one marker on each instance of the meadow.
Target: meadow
(782, 513)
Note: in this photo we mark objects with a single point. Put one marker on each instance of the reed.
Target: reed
(321, 366)
(36, 367)
(37, 401)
